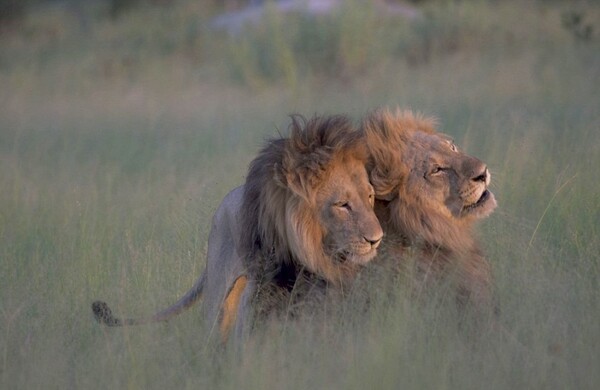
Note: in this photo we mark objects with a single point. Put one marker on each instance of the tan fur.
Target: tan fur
(230, 307)
(429, 196)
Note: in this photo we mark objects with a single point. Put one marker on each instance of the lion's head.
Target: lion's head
(435, 190)
(308, 203)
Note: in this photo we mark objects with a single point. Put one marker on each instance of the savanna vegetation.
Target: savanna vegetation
(120, 134)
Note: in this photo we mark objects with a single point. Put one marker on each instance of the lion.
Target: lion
(429, 195)
(306, 207)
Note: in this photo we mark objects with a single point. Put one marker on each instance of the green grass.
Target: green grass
(117, 144)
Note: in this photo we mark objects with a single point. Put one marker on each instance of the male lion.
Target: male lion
(306, 206)
(429, 194)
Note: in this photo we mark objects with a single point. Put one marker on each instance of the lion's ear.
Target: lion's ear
(387, 178)
(386, 186)
(297, 178)
(387, 196)
(300, 183)
(290, 179)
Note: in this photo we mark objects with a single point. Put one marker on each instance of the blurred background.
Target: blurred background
(123, 123)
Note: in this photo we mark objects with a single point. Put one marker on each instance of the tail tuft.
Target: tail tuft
(104, 315)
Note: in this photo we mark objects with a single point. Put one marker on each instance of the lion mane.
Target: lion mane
(280, 234)
(429, 196)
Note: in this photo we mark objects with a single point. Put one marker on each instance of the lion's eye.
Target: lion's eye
(343, 205)
(453, 147)
(436, 170)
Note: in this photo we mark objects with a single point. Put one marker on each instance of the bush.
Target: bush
(287, 47)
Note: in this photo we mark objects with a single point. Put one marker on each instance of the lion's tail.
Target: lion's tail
(104, 315)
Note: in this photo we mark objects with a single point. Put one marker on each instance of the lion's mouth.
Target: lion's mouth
(483, 200)
(357, 257)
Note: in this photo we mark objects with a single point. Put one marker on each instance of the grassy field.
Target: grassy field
(119, 137)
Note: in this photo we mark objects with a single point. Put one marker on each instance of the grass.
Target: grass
(118, 142)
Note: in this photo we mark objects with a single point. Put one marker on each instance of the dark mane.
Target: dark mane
(278, 186)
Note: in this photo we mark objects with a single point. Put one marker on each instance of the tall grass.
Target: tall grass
(118, 142)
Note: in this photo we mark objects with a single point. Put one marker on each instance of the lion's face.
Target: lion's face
(345, 200)
(331, 224)
(428, 189)
(445, 180)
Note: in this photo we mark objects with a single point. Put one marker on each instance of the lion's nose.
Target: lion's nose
(374, 241)
(482, 176)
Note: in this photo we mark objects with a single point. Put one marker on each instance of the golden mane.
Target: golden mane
(388, 136)
(414, 211)
(390, 139)
(278, 225)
